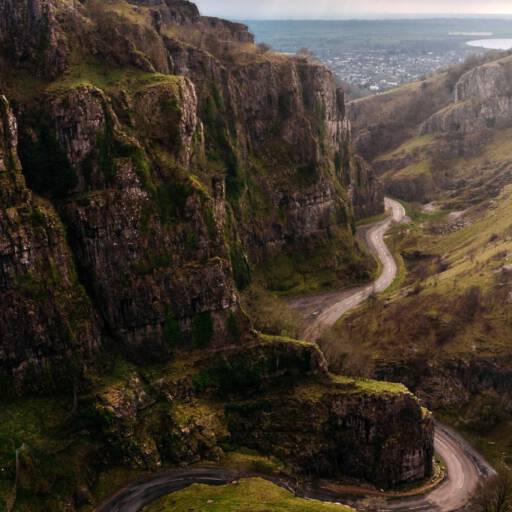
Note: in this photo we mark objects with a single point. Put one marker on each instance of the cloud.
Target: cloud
(245, 9)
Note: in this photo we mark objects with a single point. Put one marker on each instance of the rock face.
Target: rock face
(147, 262)
(47, 323)
(32, 36)
(337, 430)
(317, 423)
(170, 185)
(161, 156)
(482, 100)
(415, 188)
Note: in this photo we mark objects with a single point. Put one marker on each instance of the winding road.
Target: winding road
(465, 468)
(323, 310)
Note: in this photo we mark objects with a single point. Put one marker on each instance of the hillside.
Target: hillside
(442, 137)
(154, 164)
(444, 330)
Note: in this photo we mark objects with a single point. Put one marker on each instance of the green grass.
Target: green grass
(369, 386)
(413, 170)
(249, 460)
(248, 495)
(412, 144)
(341, 385)
(110, 78)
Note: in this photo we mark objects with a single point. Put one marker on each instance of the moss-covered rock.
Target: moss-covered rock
(47, 325)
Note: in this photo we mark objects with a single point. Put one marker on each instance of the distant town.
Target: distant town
(370, 57)
(379, 70)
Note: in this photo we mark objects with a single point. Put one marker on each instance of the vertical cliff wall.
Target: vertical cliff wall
(179, 157)
(48, 330)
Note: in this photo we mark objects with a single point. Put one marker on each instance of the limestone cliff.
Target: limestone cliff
(482, 100)
(178, 155)
(48, 327)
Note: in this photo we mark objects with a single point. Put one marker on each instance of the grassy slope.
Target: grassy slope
(434, 318)
(496, 152)
(474, 256)
(250, 495)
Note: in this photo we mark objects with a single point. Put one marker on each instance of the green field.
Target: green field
(249, 495)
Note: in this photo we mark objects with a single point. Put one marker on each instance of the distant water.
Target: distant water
(492, 44)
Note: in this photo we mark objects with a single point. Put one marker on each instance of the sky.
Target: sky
(343, 9)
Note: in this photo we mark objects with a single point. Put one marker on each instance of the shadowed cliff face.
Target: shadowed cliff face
(47, 324)
(178, 154)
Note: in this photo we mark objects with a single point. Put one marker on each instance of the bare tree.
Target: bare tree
(495, 495)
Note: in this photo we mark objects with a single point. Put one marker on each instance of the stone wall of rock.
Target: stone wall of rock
(48, 326)
(171, 184)
(381, 438)
(482, 100)
(279, 400)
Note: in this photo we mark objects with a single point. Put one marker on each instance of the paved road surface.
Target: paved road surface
(323, 310)
(465, 467)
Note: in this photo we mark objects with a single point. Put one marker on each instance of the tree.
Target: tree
(495, 495)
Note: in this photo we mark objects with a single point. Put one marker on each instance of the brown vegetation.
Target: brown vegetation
(495, 495)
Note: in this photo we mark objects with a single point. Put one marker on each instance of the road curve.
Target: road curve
(465, 468)
(323, 310)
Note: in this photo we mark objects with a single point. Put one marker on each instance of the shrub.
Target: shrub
(172, 330)
(233, 327)
(202, 330)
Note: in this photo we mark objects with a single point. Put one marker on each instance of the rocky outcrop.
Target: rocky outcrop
(366, 191)
(180, 12)
(319, 424)
(48, 328)
(381, 438)
(464, 378)
(482, 100)
(470, 116)
(483, 82)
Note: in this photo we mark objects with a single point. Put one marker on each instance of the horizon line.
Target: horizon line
(387, 17)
